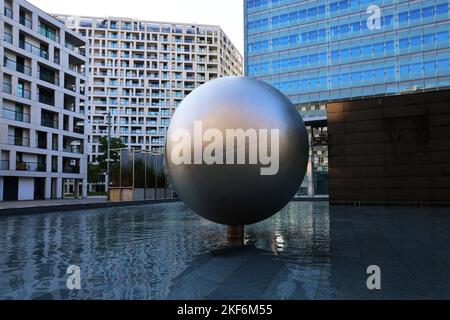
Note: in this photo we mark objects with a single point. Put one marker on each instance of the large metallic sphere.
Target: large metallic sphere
(232, 193)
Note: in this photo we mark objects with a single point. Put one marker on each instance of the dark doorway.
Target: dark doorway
(39, 188)
(54, 188)
(10, 188)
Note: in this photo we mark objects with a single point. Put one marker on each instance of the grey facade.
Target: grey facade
(140, 71)
(42, 102)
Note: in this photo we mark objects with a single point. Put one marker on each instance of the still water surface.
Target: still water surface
(136, 252)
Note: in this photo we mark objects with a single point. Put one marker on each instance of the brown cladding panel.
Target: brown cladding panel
(391, 149)
(375, 195)
(365, 148)
(440, 195)
(335, 107)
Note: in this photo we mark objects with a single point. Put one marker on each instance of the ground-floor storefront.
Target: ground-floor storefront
(14, 188)
(315, 183)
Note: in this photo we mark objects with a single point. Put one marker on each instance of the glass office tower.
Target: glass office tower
(326, 50)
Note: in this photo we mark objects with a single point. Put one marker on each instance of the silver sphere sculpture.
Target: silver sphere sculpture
(237, 151)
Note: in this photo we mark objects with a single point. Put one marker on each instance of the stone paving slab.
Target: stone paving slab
(208, 275)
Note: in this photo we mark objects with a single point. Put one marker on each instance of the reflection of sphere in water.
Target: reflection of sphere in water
(245, 191)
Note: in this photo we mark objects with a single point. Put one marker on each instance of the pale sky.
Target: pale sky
(226, 13)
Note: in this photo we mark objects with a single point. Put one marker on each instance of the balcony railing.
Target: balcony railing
(80, 51)
(71, 169)
(69, 106)
(30, 166)
(49, 34)
(4, 164)
(79, 130)
(49, 123)
(77, 69)
(33, 49)
(70, 86)
(7, 87)
(8, 13)
(45, 99)
(18, 141)
(26, 22)
(16, 115)
(8, 38)
(49, 77)
(24, 93)
(41, 143)
(10, 64)
(73, 149)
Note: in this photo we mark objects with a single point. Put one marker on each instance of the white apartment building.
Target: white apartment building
(42, 123)
(140, 72)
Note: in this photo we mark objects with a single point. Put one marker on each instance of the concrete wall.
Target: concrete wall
(391, 149)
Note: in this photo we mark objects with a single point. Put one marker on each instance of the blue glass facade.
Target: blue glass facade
(325, 50)
(317, 51)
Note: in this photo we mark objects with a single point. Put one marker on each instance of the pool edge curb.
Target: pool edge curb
(81, 206)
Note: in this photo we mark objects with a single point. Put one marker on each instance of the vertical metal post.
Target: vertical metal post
(155, 161)
(145, 176)
(310, 170)
(236, 235)
(108, 157)
(120, 170)
(134, 168)
(165, 180)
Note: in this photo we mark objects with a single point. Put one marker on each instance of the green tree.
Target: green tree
(116, 143)
(95, 174)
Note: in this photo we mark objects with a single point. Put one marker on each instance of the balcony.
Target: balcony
(18, 141)
(46, 99)
(41, 143)
(4, 164)
(26, 22)
(10, 64)
(79, 130)
(99, 102)
(71, 169)
(49, 123)
(49, 77)
(8, 38)
(8, 13)
(76, 49)
(69, 106)
(30, 166)
(16, 115)
(48, 34)
(24, 93)
(7, 88)
(73, 149)
(33, 49)
(102, 25)
(78, 69)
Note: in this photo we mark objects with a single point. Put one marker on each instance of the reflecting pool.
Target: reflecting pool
(308, 251)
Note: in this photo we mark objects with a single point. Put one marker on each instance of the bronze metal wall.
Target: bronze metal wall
(391, 149)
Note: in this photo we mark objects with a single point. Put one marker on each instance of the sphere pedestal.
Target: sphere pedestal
(235, 235)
